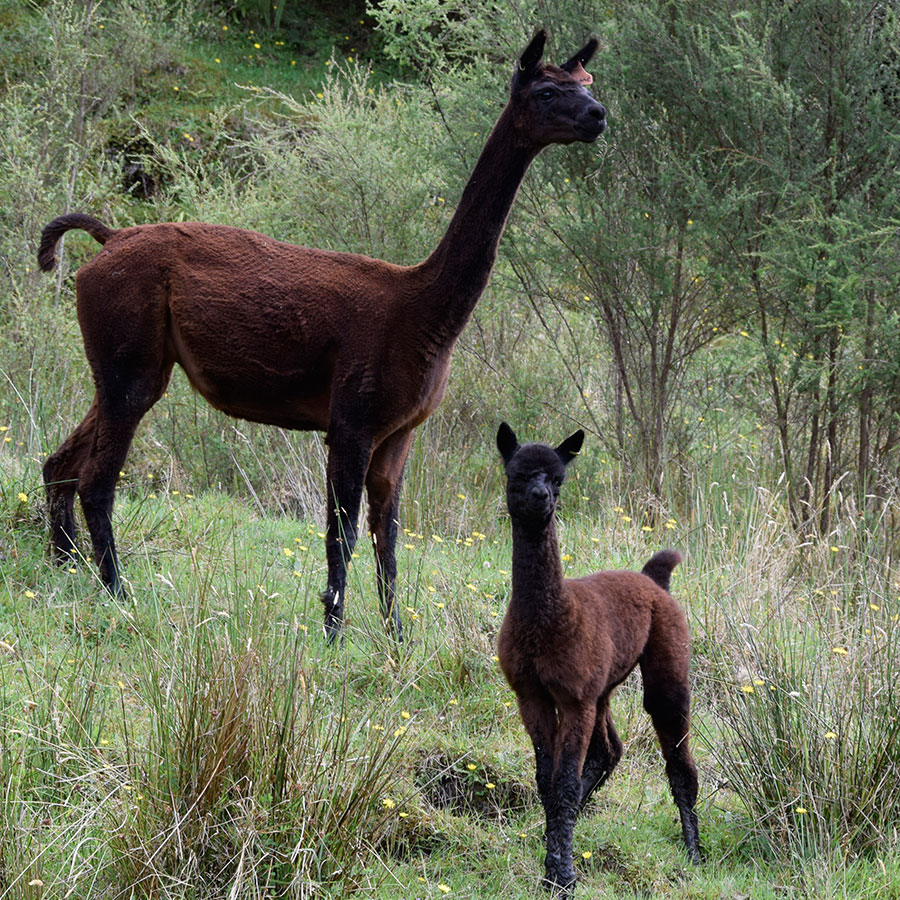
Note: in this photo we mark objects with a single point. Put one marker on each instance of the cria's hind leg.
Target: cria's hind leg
(667, 698)
(62, 471)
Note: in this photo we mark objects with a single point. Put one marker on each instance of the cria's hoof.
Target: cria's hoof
(560, 885)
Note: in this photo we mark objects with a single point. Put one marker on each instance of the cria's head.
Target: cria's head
(534, 474)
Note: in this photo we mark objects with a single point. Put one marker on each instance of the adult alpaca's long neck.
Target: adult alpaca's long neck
(537, 579)
(458, 269)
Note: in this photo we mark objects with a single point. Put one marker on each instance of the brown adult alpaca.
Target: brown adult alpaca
(301, 338)
(566, 644)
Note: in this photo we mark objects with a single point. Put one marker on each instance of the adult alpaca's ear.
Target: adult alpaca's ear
(568, 449)
(506, 442)
(582, 57)
(575, 65)
(531, 57)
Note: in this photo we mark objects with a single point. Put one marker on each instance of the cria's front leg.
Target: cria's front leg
(566, 790)
(538, 713)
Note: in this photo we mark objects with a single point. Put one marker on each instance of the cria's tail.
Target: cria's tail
(58, 227)
(659, 566)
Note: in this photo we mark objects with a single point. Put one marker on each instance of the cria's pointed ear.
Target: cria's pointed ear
(506, 442)
(568, 449)
(531, 57)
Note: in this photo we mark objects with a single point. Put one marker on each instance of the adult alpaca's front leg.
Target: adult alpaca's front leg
(383, 482)
(348, 458)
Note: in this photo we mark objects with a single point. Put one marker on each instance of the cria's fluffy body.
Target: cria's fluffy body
(566, 644)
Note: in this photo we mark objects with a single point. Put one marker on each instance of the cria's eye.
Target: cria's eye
(546, 94)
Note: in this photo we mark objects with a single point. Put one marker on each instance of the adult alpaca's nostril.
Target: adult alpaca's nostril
(596, 117)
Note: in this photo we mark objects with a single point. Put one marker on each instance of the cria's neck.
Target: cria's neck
(537, 579)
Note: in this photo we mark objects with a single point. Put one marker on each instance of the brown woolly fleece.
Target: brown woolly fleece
(296, 337)
(566, 644)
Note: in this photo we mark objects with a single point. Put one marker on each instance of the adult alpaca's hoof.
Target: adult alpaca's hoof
(63, 555)
(560, 887)
(117, 591)
(334, 615)
(110, 576)
(691, 832)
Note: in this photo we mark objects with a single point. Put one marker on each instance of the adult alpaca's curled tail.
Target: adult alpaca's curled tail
(659, 567)
(58, 227)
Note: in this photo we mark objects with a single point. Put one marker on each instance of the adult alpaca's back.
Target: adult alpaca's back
(566, 644)
(296, 337)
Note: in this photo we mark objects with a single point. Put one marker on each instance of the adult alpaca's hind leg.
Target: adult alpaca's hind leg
(121, 403)
(61, 473)
(603, 754)
(383, 482)
(667, 699)
(97, 488)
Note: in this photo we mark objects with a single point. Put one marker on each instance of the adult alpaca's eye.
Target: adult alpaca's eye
(546, 94)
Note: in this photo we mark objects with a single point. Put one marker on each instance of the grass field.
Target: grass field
(201, 739)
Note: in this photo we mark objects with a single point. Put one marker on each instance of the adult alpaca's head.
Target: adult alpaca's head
(551, 104)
